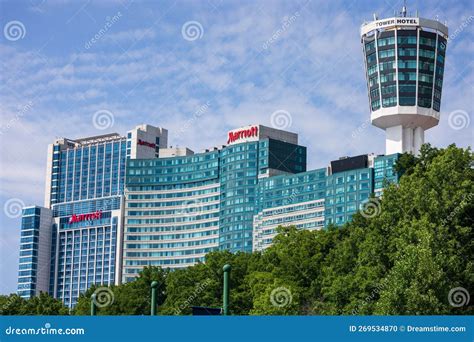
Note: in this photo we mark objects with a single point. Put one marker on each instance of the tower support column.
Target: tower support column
(401, 139)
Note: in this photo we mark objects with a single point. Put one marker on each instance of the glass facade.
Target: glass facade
(229, 205)
(171, 212)
(29, 241)
(86, 256)
(33, 273)
(86, 172)
(296, 200)
(238, 174)
(404, 67)
(179, 209)
(318, 198)
(86, 188)
(345, 192)
(113, 214)
(87, 177)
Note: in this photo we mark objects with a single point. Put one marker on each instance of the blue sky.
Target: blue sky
(233, 62)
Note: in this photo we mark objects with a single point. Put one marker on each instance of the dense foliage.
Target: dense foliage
(404, 258)
(40, 305)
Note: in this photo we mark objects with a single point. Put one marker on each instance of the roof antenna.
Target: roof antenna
(404, 8)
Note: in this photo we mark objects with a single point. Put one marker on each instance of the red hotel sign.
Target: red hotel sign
(243, 133)
(146, 143)
(86, 217)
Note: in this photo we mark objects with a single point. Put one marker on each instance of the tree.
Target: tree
(37, 305)
(406, 259)
(132, 298)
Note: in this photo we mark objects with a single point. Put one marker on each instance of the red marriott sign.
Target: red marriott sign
(146, 143)
(243, 133)
(86, 217)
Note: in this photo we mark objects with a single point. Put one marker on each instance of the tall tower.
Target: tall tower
(404, 63)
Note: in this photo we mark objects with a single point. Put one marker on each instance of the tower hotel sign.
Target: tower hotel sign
(390, 22)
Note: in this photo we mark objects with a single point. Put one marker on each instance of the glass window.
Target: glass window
(389, 101)
(387, 77)
(375, 104)
(407, 88)
(373, 81)
(407, 52)
(371, 58)
(426, 66)
(427, 53)
(406, 39)
(387, 53)
(387, 65)
(371, 70)
(407, 76)
(427, 41)
(374, 93)
(389, 89)
(407, 100)
(424, 102)
(386, 41)
(370, 46)
(426, 78)
(409, 64)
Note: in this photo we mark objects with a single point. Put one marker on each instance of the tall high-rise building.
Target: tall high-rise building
(183, 205)
(115, 204)
(404, 59)
(77, 235)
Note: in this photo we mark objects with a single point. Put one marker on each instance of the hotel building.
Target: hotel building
(76, 237)
(115, 204)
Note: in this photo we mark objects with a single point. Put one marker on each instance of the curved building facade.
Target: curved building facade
(172, 212)
(404, 60)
